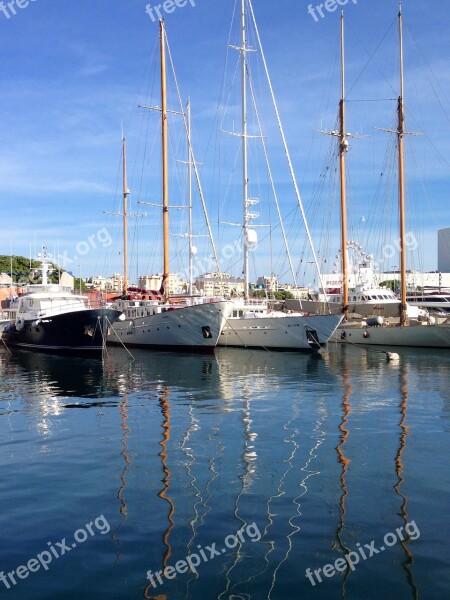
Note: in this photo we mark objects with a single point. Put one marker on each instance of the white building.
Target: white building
(5, 279)
(67, 280)
(416, 279)
(267, 283)
(219, 284)
(151, 283)
(298, 292)
(106, 284)
(444, 250)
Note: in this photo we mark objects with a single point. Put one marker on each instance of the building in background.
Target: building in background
(106, 284)
(444, 250)
(267, 283)
(219, 284)
(152, 283)
(5, 279)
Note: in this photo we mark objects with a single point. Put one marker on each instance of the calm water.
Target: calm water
(309, 458)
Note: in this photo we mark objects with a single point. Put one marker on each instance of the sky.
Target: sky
(74, 72)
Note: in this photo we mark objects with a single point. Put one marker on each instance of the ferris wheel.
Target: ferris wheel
(357, 258)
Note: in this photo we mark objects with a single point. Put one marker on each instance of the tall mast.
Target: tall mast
(165, 281)
(189, 165)
(245, 181)
(343, 147)
(401, 177)
(125, 217)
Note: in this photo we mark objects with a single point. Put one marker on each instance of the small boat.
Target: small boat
(51, 318)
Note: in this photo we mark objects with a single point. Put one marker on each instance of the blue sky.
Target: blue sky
(73, 71)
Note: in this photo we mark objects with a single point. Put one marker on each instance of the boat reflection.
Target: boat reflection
(399, 469)
(343, 359)
(164, 493)
(123, 477)
(344, 462)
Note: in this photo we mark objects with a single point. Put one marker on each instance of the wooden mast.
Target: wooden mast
(125, 217)
(401, 177)
(343, 147)
(165, 281)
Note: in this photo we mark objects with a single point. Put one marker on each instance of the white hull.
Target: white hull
(190, 327)
(288, 332)
(365, 309)
(414, 336)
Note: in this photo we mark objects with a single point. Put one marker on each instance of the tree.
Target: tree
(25, 271)
(391, 284)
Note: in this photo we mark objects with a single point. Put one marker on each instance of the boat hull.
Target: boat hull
(81, 331)
(285, 333)
(415, 336)
(192, 328)
(364, 309)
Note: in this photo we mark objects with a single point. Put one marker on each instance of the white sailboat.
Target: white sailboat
(253, 324)
(159, 323)
(408, 332)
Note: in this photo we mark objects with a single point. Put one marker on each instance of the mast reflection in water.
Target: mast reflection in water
(179, 452)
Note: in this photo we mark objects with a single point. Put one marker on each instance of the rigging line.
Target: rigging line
(192, 159)
(148, 151)
(373, 100)
(4, 343)
(371, 56)
(432, 72)
(118, 337)
(286, 150)
(418, 168)
(189, 453)
(272, 183)
(319, 441)
(220, 118)
(289, 439)
(246, 480)
(323, 103)
(149, 91)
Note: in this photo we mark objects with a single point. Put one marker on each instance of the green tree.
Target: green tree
(25, 271)
(391, 284)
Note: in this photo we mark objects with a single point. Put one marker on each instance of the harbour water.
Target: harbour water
(261, 465)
